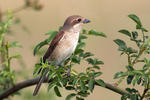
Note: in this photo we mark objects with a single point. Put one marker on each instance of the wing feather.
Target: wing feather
(53, 45)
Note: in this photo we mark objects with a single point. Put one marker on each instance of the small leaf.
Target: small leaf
(69, 88)
(145, 30)
(97, 74)
(84, 78)
(82, 37)
(100, 82)
(82, 85)
(93, 32)
(90, 61)
(91, 85)
(79, 98)
(15, 44)
(57, 92)
(75, 81)
(134, 35)
(37, 68)
(119, 74)
(131, 50)
(87, 54)
(80, 45)
(121, 44)
(126, 32)
(136, 19)
(129, 79)
(70, 96)
(50, 86)
(76, 59)
(15, 56)
(78, 51)
(83, 94)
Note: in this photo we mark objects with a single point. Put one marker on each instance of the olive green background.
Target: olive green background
(107, 16)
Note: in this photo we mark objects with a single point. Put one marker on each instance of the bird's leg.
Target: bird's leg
(69, 68)
(68, 72)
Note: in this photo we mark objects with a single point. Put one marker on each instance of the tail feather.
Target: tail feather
(41, 80)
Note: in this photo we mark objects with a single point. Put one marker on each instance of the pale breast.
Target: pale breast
(65, 47)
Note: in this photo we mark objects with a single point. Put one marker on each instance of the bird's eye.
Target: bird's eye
(79, 19)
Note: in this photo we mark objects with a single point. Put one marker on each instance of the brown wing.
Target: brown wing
(53, 45)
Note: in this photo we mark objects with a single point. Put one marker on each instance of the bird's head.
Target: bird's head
(75, 22)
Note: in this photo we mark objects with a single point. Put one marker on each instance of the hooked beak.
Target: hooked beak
(86, 21)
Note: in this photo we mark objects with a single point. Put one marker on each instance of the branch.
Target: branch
(34, 81)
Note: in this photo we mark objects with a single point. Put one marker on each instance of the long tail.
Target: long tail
(41, 80)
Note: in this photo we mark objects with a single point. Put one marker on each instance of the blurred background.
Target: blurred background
(107, 16)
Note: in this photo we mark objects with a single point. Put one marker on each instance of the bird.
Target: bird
(63, 45)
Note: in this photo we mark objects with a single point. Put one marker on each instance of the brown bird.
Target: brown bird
(63, 44)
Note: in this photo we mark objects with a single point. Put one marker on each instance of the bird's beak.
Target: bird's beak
(86, 21)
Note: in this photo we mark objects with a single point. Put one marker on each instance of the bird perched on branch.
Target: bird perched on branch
(63, 44)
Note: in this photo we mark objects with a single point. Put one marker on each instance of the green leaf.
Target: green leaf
(82, 37)
(121, 44)
(82, 85)
(83, 78)
(79, 98)
(57, 92)
(135, 80)
(100, 82)
(131, 50)
(37, 68)
(70, 96)
(136, 19)
(91, 85)
(15, 56)
(50, 86)
(15, 44)
(134, 35)
(87, 54)
(129, 68)
(97, 62)
(93, 32)
(84, 31)
(50, 75)
(126, 32)
(69, 88)
(80, 45)
(134, 97)
(90, 61)
(129, 79)
(131, 90)
(119, 74)
(83, 94)
(75, 81)
(78, 51)
(97, 74)
(76, 59)
(145, 30)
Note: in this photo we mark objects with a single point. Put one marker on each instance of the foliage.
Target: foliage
(7, 74)
(82, 83)
(135, 55)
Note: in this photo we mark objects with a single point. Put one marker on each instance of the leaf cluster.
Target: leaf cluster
(7, 75)
(139, 54)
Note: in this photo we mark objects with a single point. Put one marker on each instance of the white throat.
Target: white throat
(77, 27)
